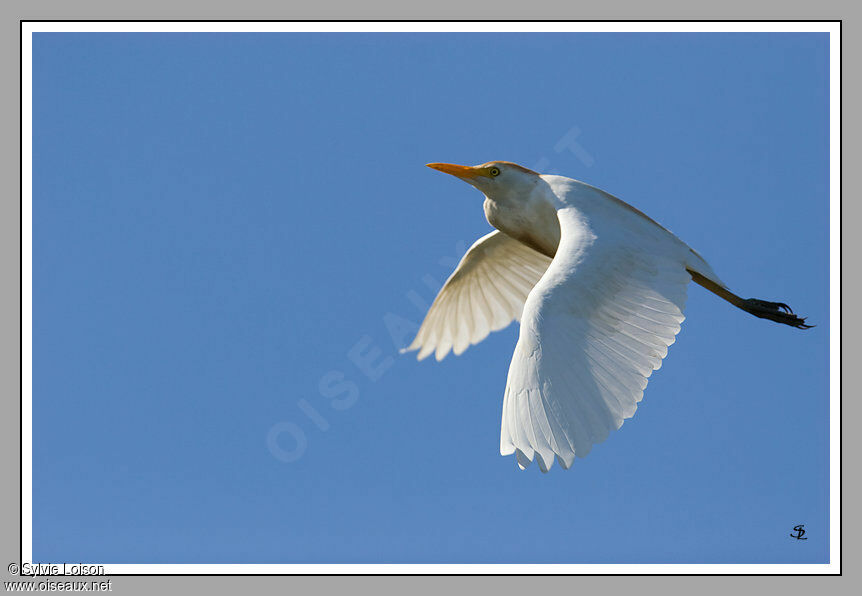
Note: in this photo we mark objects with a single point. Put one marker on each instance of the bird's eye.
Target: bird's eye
(495, 172)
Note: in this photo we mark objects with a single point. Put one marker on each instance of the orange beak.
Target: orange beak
(462, 172)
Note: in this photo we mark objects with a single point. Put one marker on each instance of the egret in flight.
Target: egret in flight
(599, 289)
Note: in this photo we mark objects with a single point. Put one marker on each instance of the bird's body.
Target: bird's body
(599, 289)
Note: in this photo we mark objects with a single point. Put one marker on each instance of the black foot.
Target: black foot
(774, 311)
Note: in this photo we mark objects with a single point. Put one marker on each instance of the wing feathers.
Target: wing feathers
(485, 293)
(594, 329)
(595, 323)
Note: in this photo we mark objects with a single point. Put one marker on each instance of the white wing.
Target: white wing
(593, 330)
(485, 293)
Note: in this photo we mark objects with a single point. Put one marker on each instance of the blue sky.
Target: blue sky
(233, 233)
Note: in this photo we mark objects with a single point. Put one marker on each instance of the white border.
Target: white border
(26, 296)
(464, 27)
(433, 27)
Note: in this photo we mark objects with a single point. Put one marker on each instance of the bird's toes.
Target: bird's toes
(803, 325)
(775, 311)
(784, 307)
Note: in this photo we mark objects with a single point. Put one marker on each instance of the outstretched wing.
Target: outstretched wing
(485, 293)
(592, 331)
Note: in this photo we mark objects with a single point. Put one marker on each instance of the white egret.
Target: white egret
(599, 289)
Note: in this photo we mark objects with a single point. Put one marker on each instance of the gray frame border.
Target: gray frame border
(187, 10)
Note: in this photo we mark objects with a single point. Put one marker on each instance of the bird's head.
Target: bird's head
(497, 179)
(516, 201)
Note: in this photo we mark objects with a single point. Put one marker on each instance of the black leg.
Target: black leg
(774, 311)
